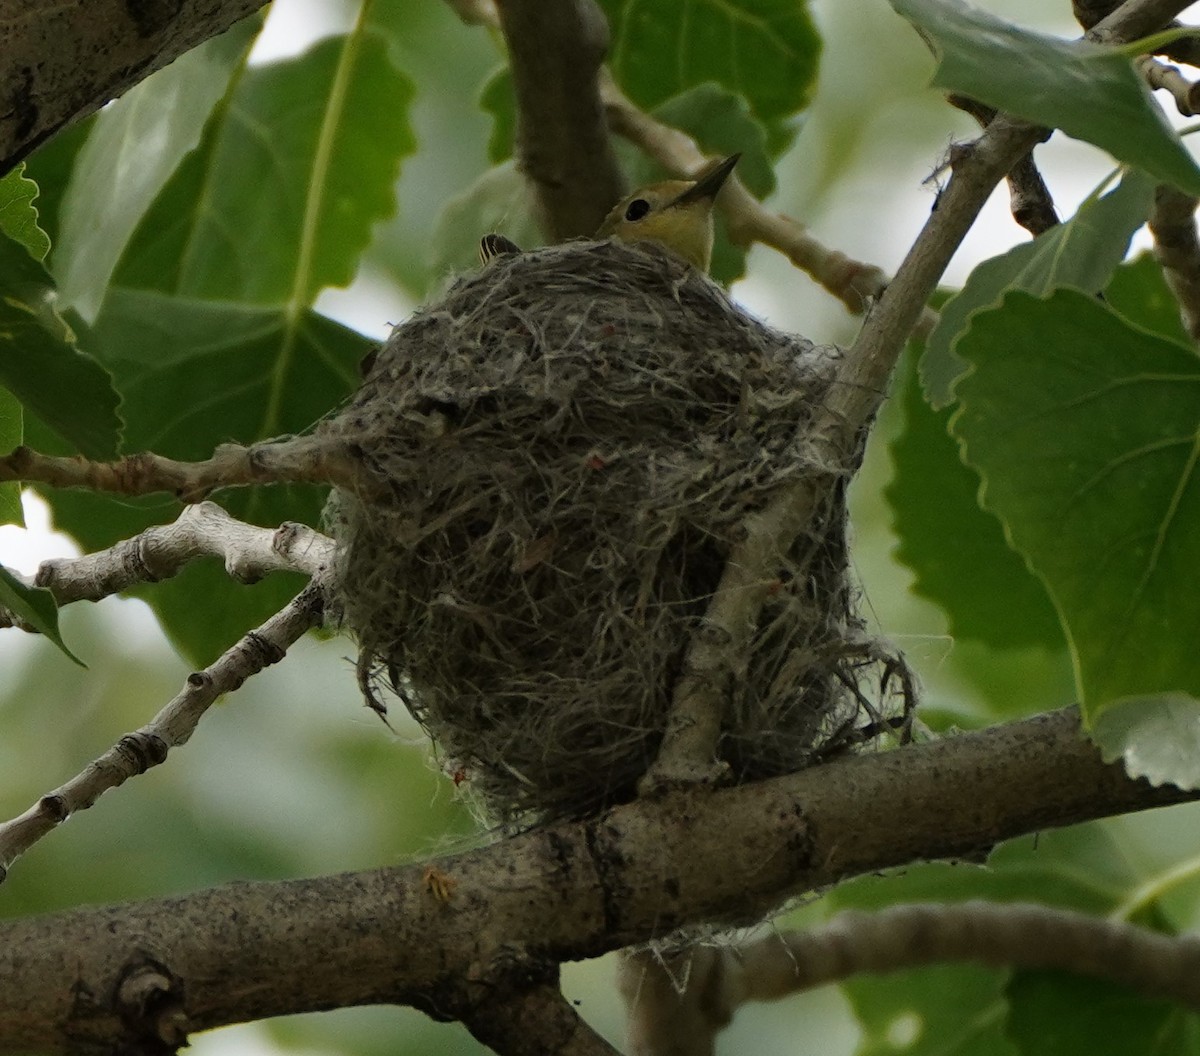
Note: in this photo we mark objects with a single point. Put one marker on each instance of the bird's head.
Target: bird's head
(676, 214)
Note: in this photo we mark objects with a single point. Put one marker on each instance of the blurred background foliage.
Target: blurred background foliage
(239, 276)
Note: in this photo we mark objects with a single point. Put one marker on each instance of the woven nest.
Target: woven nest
(570, 442)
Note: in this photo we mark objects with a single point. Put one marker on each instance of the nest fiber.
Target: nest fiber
(569, 443)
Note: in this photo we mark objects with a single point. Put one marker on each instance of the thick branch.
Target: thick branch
(303, 459)
(66, 59)
(251, 951)
(555, 51)
(173, 726)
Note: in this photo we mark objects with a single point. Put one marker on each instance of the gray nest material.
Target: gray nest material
(569, 442)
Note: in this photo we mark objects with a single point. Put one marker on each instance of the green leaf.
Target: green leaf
(12, 432)
(957, 551)
(1081, 253)
(1089, 91)
(1085, 432)
(136, 143)
(19, 216)
(1157, 737)
(498, 201)
(42, 367)
(1056, 1014)
(274, 218)
(35, 606)
(765, 50)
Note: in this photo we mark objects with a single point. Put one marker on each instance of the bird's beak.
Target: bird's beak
(708, 184)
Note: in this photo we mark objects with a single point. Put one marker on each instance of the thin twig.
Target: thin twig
(1177, 249)
(310, 460)
(555, 51)
(1012, 935)
(1160, 75)
(1029, 198)
(173, 726)
(158, 553)
(1150, 17)
(680, 1002)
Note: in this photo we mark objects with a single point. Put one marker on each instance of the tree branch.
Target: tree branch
(158, 553)
(555, 51)
(1029, 197)
(679, 1003)
(859, 387)
(533, 1020)
(64, 60)
(1159, 75)
(1173, 225)
(301, 459)
(1016, 935)
(172, 727)
(640, 871)
(1136, 18)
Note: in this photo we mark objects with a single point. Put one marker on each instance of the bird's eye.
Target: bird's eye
(638, 208)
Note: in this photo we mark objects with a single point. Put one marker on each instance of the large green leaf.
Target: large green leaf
(957, 551)
(764, 50)
(280, 201)
(40, 363)
(1086, 432)
(1080, 253)
(1089, 91)
(135, 144)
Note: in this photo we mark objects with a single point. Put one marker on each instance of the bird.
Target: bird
(675, 214)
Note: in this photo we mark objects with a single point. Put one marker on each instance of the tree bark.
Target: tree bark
(441, 937)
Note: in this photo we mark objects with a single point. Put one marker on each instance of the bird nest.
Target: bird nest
(569, 443)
